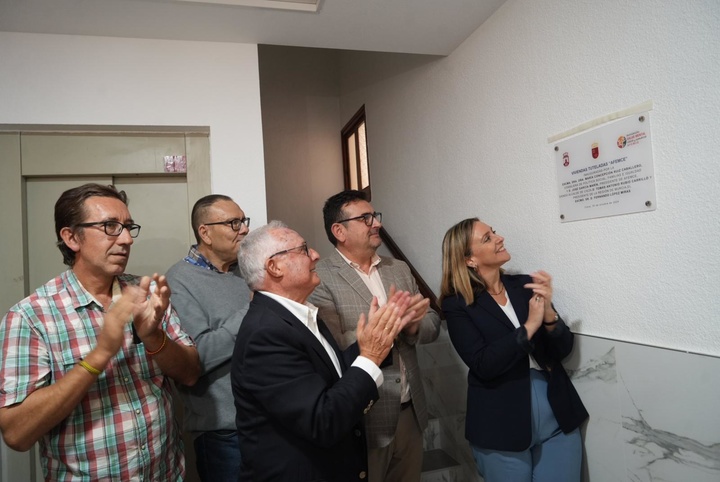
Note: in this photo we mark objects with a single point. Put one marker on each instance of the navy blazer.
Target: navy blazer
(297, 419)
(498, 400)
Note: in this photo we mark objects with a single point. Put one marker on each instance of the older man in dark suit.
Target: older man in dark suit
(299, 400)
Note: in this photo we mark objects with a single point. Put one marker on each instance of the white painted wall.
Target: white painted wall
(301, 129)
(466, 135)
(57, 79)
(69, 80)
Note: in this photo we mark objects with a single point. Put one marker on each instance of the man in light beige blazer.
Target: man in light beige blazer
(350, 278)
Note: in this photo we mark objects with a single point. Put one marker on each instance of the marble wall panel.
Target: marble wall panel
(653, 412)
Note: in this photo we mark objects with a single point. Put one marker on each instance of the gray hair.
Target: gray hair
(257, 247)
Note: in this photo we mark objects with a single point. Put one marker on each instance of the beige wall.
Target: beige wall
(301, 133)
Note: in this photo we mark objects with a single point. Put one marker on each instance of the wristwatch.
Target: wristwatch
(555, 320)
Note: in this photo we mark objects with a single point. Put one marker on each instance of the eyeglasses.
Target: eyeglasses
(114, 228)
(367, 218)
(303, 247)
(233, 223)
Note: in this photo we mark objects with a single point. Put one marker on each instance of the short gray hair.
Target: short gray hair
(257, 247)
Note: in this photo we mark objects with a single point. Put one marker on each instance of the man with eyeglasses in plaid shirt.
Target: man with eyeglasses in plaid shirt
(88, 357)
(211, 300)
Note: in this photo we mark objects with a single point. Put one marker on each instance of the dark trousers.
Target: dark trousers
(218, 456)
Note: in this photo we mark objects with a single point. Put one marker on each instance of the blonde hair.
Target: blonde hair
(457, 277)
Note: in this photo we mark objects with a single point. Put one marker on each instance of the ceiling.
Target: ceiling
(407, 26)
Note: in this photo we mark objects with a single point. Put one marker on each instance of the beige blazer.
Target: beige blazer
(341, 297)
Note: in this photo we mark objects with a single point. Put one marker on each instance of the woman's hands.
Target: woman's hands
(536, 311)
(540, 306)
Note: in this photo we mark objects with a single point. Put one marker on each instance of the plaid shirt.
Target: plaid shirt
(196, 258)
(123, 429)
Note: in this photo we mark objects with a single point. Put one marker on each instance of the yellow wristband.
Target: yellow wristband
(161, 346)
(91, 369)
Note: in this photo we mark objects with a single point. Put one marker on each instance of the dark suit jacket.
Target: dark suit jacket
(498, 401)
(297, 420)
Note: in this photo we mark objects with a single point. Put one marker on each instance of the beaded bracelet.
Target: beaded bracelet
(161, 346)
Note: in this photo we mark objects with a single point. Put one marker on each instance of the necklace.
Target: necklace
(502, 288)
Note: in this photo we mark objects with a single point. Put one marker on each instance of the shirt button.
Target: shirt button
(137, 411)
(142, 447)
(357, 432)
(363, 474)
(397, 380)
(126, 379)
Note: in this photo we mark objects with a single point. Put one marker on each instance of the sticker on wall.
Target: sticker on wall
(175, 164)
(611, 172)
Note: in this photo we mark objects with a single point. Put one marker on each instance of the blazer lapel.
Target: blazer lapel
(387, 276)
(351, 277)
(518, 297)
(486, 303)
(325, 332)
(303, 331)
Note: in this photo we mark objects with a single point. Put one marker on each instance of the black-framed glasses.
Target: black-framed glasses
(303, 247)
(367, 218)
(234, 224)
(114, 228)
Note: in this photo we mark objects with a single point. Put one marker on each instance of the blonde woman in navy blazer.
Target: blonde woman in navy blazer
(523, 414)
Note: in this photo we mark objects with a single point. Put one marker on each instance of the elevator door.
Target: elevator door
(159, 205)
(38, 167)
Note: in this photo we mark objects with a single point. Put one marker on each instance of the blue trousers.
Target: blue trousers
(218, 456)
(552, 456)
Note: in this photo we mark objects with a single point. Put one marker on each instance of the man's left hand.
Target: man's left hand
(419, 306)
(148, 314)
